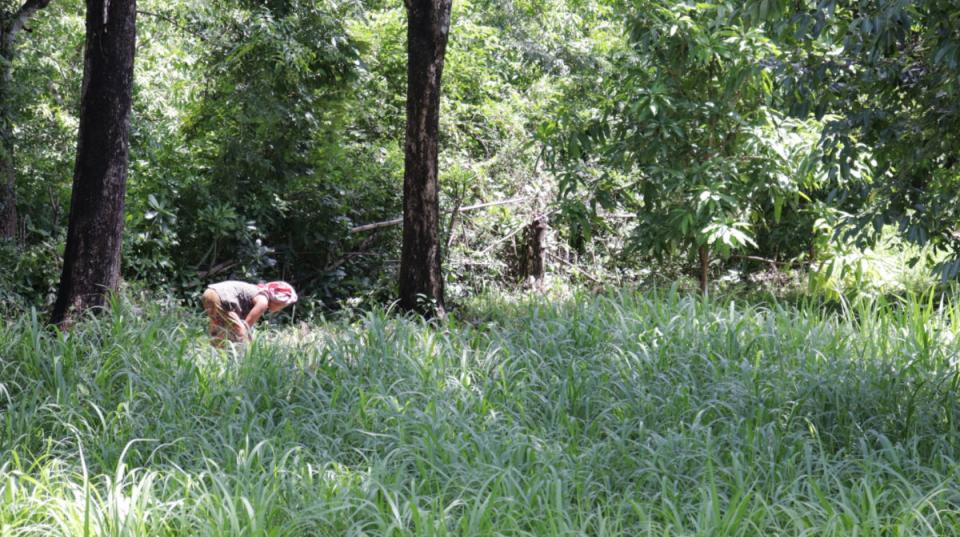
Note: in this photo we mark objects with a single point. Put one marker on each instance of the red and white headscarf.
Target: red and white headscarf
(279, 292)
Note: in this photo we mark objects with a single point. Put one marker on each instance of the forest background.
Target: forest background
(655, 139)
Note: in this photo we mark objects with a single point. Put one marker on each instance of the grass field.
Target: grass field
(654, 414)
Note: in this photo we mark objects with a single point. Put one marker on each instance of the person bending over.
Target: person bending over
(233, 307)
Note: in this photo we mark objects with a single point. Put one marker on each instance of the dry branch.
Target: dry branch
(398, 221)
(579, 270)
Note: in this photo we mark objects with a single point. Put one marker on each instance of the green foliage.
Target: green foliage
(889, 70)
(264, 131)
(256, 135)
(251, 158)
(892, 266)
(626, 414)
(261, 148)
(498, 77)
(27, 279)
(684, 131)
(44, 97)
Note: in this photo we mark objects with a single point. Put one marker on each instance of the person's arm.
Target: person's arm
(260, 303)
(238, 327)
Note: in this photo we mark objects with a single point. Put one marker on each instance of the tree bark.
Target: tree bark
(91, 268)
(10, 26)
(8, 193)
(704, 268)
(421, 279)
(536, 251)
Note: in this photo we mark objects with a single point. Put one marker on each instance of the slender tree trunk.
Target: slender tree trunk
(8, 193)
(91, 268)
(8, 203)
(536, 251)
(704, 268)
(421, 279)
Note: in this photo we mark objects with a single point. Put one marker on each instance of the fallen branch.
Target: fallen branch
(398, 221)
(350, 255)
(772, 262)
(217, 269)
(578, 269)
(516, 230)
(376, 225)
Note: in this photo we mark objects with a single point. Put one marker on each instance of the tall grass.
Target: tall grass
(654, 414)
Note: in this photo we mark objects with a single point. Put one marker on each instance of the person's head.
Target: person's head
(279, 294)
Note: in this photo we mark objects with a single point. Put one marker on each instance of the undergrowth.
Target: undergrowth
(632, 414)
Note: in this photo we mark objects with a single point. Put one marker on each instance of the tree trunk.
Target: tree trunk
(8, 193)
(536, 251)
(704, 268)
(421, 280)
(91, 267)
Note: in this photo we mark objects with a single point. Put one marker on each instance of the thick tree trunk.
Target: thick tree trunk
(421, 280)
(704, 268)
(91, 268)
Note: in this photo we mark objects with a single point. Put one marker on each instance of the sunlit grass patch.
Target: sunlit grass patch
(631, 414)
(891, 266)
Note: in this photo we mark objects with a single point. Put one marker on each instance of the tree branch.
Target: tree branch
(349, 255)
(579, 270)
(216, 269)
(398, 221)
(175, 23)
(376, 225)
(20, 18)
(771, 262)
(452, 226)
(516, 230)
